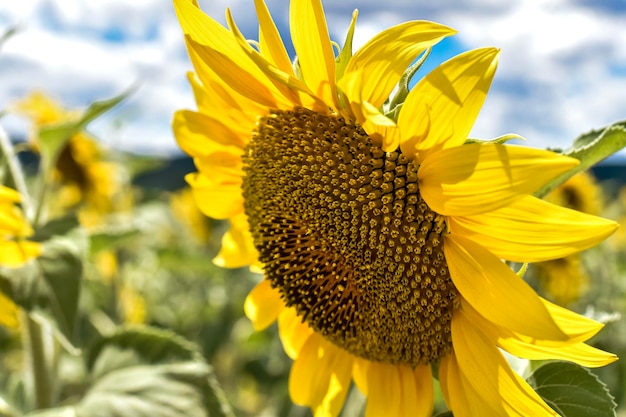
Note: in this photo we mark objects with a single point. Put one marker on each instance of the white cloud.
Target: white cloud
(555, 78)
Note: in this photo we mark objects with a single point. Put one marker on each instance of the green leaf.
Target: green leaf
(111, 237)
(590, 149)
(144, 371)
(170, 390)
(572, 391)
(53, 137)
(149, 344)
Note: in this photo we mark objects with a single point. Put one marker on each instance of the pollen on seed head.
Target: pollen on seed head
(346, 237)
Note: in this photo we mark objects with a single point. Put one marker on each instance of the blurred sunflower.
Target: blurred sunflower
(379, 231)
(566, 279)
(84, 176)
(14, 249)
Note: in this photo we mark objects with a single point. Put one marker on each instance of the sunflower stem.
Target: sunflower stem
(42, 357)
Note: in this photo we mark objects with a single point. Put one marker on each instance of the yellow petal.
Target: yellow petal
(478, 178)
(454, 392)
(537, 349)
(9, 195)
(215, 97)
(272, 47)
(440, 110)
(579, 353)
(293, 332)
(15, 253)
(309, 34)
(320, 376)
(496, 384)
(8, 312)
(219, 201)
(387, 55)
(384, 390)
(532, 230)
(576, 326)
(496, 292)
(394, 390)
(263, 305)
(12, 222)
(246, 83)
(417, 391)
(198, 134)
(237, 248)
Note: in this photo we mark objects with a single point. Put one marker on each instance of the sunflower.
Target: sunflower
(81, 171)
(380, 232)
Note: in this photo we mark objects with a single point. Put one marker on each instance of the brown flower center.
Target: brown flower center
(346, 237)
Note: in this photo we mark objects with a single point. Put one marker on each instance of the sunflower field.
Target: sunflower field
(330, 246)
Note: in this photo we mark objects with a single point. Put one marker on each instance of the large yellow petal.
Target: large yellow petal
(199, 134)
(382, 61)
(532, 230)
(293, 332)
(216, 200)
(320, 376)
(537, 349)
(309, 34)
(478, 178)
(263, 305)
(440, 110)
(495, 291)
(482, 364)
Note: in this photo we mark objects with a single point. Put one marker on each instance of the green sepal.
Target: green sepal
(345, 55)
(500, 140)
(392, 108)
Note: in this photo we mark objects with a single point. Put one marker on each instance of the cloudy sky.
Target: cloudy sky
(562, 68)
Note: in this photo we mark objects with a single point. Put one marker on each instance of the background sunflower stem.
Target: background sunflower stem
(41, 356)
